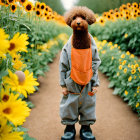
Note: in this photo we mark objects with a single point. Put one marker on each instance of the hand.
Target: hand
(64, 91)
(94, 89)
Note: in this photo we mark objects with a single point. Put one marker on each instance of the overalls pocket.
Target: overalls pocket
(71, 85)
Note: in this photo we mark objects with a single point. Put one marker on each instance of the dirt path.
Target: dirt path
(115, 119)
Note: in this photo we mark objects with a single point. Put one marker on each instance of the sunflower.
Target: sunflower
(134, 16)
(128, 5)
(4, 43)
(133, 71)
(125, 70)
(139, 13)
(10, 1)
(17, 63)
(15, 110)
(109, 17)
(102, 21)
(45, 14)
(130, 78)
(23, 1)
(37, 5)
(111, 11)
(124, 7)
(50, 10)
(18, 43)
(135, 10)
(47, 8)
(120, 67)
(28, 6)
(127, 53)
(126, 35)
(123, 56)
(137, 105)
(42, 6)
(13, 7)
(5, 94)
(136, 65)
(124, 62)
(3, 35)
(3, 2)
(127, 17)
(22, 82)
(7, 133)
(117, 14)
(48, 18)
(127, 12)
(121, 15)
(126, 92)
(135, 5)
(116, 10)
(121, 9)
(38, 13)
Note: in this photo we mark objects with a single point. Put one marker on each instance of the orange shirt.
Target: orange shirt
(81, 65)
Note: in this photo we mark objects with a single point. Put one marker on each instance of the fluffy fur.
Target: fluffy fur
(78, 19)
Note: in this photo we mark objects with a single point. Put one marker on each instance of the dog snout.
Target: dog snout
(78, 23)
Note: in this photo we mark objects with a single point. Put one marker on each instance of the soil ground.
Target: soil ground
(115, 119)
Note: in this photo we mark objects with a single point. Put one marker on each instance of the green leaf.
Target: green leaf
(30, 104)
(117, 91)
(111, 84)
(27, 137)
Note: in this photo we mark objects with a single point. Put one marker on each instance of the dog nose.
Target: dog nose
(78, 23)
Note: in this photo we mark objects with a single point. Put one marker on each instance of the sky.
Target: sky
(68, 3)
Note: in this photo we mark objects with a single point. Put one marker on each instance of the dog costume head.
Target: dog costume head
(79, 18)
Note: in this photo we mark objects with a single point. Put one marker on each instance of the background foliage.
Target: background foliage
(99, 6)
(55, 5)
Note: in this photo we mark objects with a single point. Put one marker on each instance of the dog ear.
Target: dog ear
(68, 18)
(90, 17)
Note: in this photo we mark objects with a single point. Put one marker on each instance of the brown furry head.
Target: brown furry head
(80, 11)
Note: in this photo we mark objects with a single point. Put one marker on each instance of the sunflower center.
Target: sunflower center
(28, 7)
(10, 1)
(12, 46)
(37, 12)
(5, 98)
(13, 7)
(46, 9)
(23, 1)
(42, 7)
(38, 6)
(7, 110)
(3, 1)
(102, 21)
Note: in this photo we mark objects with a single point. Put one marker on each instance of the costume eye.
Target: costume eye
(74, 17)
(83, 17)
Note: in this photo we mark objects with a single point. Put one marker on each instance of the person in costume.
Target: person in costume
(78, 66)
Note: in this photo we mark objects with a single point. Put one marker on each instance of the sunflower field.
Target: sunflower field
(120, 26)
(123, 70)
(30, 37)
(117, 35)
